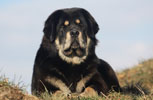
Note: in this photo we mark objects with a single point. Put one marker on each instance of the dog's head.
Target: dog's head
(73, 32)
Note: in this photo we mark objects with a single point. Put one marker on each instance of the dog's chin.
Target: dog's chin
(74, 52)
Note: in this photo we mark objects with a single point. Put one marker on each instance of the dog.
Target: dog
(66, 60)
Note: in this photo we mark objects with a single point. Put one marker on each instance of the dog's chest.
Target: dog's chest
(75, 78)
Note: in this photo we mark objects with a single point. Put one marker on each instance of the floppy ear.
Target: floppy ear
(50, 25)
(92, 24)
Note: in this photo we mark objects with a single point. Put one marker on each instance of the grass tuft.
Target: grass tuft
(11, 91)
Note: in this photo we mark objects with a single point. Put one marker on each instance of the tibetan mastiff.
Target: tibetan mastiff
(66, 60)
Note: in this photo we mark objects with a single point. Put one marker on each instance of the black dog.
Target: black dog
(66, 60)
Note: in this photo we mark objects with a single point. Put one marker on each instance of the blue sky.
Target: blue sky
(125, 36)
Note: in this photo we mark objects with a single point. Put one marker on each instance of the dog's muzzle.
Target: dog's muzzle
(74, 50)
(74, 33)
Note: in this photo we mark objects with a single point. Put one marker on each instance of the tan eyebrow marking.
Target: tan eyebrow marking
(66, 23)
(77, 21)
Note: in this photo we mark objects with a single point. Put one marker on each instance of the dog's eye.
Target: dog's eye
(77, 21)
(66, 23)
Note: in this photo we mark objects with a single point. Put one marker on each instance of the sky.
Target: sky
(125, 35)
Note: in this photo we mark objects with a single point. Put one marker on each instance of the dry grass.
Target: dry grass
(143, 72)
(10, 91)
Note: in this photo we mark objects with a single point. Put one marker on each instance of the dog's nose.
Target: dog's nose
(74, 33)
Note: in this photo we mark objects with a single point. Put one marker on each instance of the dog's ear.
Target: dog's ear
(92, 24)
(50, 25)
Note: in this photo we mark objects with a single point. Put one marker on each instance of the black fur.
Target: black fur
(49, 63)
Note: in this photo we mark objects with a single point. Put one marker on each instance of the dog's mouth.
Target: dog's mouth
(74, 50)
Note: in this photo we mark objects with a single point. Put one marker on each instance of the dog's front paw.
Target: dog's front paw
(89, 92)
